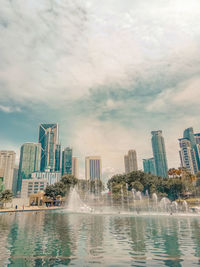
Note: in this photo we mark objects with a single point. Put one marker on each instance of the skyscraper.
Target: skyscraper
(149, 166)
(190, 150)
(189, 135)
(48, 138)
(75, 167)
(126, 164)
(159, 153)
(7, 164)
(93, 168)
(15, 180)
(187, 155)
(30, 157)
(130, 161)
(57, 157)
(67, 161)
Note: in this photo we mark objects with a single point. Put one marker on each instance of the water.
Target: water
(60, 238)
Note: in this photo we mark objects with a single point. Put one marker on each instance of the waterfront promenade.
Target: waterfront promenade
(28, 209)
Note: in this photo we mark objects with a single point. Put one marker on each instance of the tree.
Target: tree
(6, 196)
(137, 186)
(69, 180)
(61, 188)
(140, 181)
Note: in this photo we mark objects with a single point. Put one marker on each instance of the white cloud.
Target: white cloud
(185, 95)
(9, 109)
(55, 52)
(62, 49)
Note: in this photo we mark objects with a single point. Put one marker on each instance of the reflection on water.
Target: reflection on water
(61, 239)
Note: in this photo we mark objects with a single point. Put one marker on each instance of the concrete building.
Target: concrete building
(67, 161)
(50, 152)
(126, 164)
(187, 156)
(149, 166)
(159, 153)
(130, 161)
(75, 168)
(93, 168)
(7, 164)
(30, 157)
(38, 182)
(190, 150)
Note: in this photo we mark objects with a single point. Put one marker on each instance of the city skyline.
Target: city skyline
(186, 133)
(111, 86)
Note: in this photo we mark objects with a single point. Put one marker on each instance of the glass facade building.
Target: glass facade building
(30, 157)
(159, 153)
(50, 153)
(67, 161)
(149, 166)
(189, 135)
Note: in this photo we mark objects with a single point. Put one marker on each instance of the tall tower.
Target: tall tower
(187, 155)
(159, 153)
(67, 161)
(30, 157)
(7, 164)
(194, 139)
(130, 161)
(93, 168)
(48, 138)
(126, 164)
(149, 166)
(75, 167)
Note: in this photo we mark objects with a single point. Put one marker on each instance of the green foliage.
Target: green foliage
(140, 181)
(69, 180)
(137, 186)
(6, 196)
(62, 188)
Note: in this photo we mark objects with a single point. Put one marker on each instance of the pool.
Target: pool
(58, 238)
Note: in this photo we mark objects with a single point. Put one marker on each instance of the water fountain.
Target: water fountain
(137, 204)
(75, 203)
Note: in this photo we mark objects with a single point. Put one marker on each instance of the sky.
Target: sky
(109, 72)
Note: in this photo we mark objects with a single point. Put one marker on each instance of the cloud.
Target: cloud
(109, 72)
(9, 109)
(183, 96)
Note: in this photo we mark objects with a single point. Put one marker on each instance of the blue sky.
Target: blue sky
(107, 71)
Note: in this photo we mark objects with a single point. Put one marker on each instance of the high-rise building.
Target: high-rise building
(67, 161)
(197, 138)
(187, 155)
(57, 157)
(30, 158)
(75, 167)
(7, 164)
(190, 150)
(149, 166)
(130, 161)
(189, 135)
(50, 153)
(93, 168)
(159, 153)
(15, 180)
(126, 164)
